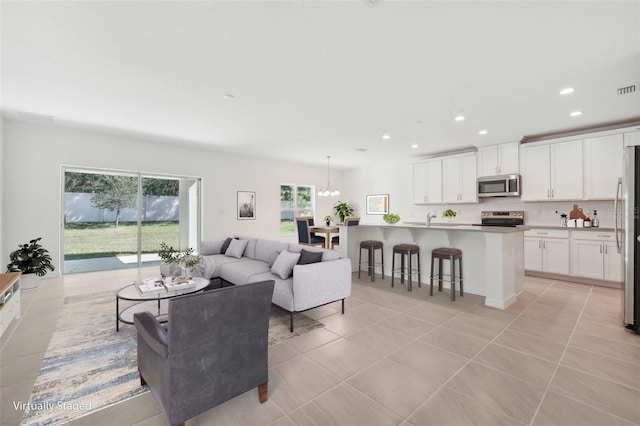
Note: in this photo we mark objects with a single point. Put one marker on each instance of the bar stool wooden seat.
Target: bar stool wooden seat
(407, 250)
(371, 246)
(450, 254)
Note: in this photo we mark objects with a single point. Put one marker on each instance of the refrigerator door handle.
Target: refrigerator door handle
(615, 213)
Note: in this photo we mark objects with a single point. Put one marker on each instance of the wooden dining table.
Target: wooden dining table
(327, 230)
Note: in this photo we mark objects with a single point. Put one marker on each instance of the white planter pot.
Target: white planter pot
(29, 281)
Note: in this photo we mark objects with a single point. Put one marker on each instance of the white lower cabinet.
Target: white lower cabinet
(595, 255)
(546, 251)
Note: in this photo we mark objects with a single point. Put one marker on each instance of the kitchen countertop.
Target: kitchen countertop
(451, 227)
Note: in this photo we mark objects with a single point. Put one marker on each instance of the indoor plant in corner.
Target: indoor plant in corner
(343, 210)
(32, 260)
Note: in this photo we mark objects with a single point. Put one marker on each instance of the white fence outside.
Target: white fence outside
(78, 208)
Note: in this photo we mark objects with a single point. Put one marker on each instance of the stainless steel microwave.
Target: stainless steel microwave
(499, 186)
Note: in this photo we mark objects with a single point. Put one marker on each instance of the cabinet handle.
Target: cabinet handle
(548, 193)
(544, 244)
(606, 249)
(552, 193)
(600, 248)
(539, 244)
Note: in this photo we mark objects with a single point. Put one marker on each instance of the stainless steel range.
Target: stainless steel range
(502, 218)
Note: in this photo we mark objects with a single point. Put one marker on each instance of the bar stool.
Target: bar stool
(450, 254)
(405, 250)
(371, 246)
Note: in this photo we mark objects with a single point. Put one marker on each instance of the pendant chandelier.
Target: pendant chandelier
(328, 191)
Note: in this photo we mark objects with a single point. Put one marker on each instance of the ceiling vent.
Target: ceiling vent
(627, 90)
(361, 149)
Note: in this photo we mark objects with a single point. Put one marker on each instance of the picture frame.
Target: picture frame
(246, 206)
(378, 204)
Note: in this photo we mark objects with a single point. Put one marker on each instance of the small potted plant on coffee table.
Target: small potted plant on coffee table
(32, 260)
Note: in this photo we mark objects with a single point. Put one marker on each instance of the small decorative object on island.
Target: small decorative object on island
(449, 214)
(33, 261)
(170, 256)
(391, 218)
(343, 210)
(327, 219)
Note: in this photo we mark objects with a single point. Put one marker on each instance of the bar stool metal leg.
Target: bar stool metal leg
(453, 278)
(460, 270)
(359, 262)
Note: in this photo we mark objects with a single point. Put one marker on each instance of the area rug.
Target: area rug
(89, 366)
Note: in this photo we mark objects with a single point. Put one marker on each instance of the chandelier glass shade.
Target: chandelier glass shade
(328, 191)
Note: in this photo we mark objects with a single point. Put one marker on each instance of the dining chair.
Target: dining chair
(305, 236)
(348, 221)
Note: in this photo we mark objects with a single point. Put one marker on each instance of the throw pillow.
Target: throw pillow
(225, 246)
(236, 248)
(283, 266)
(307, 257)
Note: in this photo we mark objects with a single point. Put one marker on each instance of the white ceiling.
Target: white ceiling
(311, 79)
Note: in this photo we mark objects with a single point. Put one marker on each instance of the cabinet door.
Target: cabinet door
(613, 263)
(451, 180)
(603, 159)
(434, 181)
(566, 170)
(532, 254)
(419, 183)
(508, 158)
(587, 259)
(555, 256)
(488, 160)
(536, 173)
(468, 179)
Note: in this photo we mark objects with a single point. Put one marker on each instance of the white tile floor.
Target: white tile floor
(558, 356)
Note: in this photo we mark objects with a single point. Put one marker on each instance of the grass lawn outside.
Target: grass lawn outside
(93, 240)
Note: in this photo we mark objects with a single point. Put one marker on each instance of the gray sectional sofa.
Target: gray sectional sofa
(305, 277)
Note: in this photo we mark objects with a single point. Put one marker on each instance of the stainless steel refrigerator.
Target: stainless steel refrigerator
(627, 213)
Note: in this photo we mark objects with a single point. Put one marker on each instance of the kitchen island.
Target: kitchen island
(493, 257)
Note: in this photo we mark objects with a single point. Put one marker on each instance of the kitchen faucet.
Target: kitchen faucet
(429, 217)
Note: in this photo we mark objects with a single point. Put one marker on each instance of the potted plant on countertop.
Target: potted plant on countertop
(343, 210)
(33, 261)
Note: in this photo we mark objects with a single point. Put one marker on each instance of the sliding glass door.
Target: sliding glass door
(116, 220)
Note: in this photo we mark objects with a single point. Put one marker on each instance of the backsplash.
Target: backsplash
(536, 214)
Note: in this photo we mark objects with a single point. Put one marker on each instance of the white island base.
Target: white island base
(493, 257)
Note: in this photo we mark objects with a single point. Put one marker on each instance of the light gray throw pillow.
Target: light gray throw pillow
(283, 266)
(236, 248)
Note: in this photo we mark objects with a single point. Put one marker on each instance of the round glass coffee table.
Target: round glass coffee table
(156, 303)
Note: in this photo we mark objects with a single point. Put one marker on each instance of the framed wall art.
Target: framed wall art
(378, 204)
(246, 205)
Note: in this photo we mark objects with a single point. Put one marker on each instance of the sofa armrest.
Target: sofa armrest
(318, 283)
(150, 330)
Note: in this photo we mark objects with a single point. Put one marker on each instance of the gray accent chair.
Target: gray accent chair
(214, 348)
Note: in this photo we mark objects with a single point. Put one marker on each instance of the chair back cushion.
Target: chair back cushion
(302, 224)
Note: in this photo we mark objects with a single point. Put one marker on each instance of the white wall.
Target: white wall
(395, 179)
(34, 154)
(2, 204)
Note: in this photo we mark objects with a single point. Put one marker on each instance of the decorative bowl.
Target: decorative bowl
(391, 218)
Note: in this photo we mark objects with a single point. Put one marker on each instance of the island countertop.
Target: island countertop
(452, 227)
(493, 262)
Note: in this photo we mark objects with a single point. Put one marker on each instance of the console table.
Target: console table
(9, 299)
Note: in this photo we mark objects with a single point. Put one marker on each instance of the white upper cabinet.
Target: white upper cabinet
(427, 182)
(499, 159)
(460, 179)
(602, 166)
(552, 171)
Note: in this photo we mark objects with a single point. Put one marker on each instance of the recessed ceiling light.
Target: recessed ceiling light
(386, 135)
(228, 96)
(414, 146)
(483, 132)
(575, 113)
(567, 90)
(459, 117)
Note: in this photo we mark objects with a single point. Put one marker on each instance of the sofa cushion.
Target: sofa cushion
(326, 253)
(225, 246)
(268, 250)
(307, 257)
(208, 248)
(240, 272)
(236, 248)
(283, 266)
(218, 260)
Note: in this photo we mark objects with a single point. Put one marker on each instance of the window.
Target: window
(295, 200)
